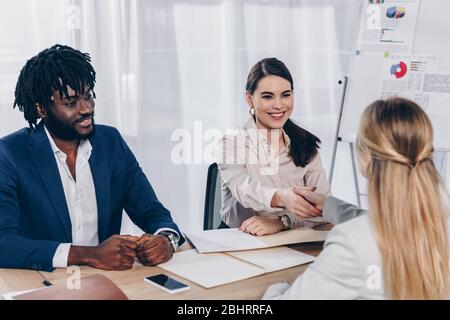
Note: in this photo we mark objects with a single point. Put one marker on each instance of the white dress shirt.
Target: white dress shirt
(81, 201)
(80, 198)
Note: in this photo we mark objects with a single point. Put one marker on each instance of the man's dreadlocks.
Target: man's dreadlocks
(52, 70)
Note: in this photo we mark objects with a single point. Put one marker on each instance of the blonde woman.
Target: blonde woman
(400, 249)
(263, 165)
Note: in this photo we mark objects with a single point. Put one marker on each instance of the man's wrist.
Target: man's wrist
(82, 255)
(171, 237)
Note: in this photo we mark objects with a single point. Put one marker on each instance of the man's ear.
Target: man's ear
(42, 113)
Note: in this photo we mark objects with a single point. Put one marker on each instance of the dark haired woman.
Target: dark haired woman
(263, 165)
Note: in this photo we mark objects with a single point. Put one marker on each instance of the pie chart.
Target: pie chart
(395, 12)
(399, 70)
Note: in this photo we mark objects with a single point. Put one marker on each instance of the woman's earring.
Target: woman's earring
(252, 111)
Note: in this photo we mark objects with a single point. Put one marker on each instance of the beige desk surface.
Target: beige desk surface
(133, 285)
(18, 280)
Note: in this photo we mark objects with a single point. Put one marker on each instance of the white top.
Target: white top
(349, 267)
(251, 173)
(80, 198)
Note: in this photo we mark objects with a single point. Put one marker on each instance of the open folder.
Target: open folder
(214, 269)
(222, 240)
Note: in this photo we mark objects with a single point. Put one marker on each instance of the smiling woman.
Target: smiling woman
(264, 165)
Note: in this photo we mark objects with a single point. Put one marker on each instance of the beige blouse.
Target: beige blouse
(251, 172)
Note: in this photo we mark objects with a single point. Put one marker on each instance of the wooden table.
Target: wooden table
(18, 280)
(133, 285)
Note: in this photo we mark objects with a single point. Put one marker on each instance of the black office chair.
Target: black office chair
(213, 202)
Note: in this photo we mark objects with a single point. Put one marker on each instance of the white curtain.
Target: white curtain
(164, 65)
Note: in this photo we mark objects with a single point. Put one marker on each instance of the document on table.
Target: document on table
(298, 235)
(210, 269)
(222, 240)
(273, 259)
(215, 269)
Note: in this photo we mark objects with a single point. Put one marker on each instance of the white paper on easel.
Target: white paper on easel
(387, 26)
(274, 259)
(211, 269)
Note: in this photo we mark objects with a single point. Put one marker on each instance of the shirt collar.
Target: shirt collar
(84, 148)
(256, 136)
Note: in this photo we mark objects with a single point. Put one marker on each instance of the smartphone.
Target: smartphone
(167, 283)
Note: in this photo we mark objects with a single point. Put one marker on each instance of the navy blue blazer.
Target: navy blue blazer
(34, 218)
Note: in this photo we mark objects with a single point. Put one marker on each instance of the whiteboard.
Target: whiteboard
(368, 69)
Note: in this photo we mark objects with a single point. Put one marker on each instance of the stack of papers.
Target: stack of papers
(223, 240)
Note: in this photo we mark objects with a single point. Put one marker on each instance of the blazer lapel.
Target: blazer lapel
(44, 159)
(100, 174)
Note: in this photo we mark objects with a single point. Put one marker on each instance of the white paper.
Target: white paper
(211, 269)
(387, 26)
(220, 240)
(274, 259)
(426, 80)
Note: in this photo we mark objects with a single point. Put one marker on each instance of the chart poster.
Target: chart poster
(424, 79)
(387, 26)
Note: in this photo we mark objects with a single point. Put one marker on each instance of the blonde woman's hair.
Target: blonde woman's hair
(408, 203)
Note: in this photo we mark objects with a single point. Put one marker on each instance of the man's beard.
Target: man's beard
(66, 131)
